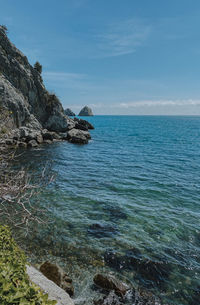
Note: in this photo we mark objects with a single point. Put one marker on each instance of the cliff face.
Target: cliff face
(22, 91)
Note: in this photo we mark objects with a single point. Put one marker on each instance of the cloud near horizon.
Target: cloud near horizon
(151, 103)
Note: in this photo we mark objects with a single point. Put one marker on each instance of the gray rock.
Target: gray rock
(86, 111)
(78, 136)
(85, 123)
(69, 112)
(54, 291)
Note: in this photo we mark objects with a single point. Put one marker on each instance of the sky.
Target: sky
(135, 57)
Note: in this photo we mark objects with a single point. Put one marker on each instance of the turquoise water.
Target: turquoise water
(131, 195)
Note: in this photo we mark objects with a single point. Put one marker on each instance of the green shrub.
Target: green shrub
(15, 287)
(38, 67)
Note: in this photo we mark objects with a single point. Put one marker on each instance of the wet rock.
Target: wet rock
(154, 273)
(32, 143)
(113, 260)
(109, 282)
(85, 123)
(68, 288)
(56, 274)
(111, 299)
(69, 112)
(99, 230)
(78, 136)
(86, 111)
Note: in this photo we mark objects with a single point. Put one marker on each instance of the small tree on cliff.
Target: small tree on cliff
(38, 67)
(4, 28)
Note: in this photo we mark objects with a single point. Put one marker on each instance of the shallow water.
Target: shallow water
(133, 190)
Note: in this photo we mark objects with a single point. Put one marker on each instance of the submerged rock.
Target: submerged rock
(152, 273)
(115, 213)
(69, 112)
(109, 282)
(86, 111)
(99, 230)
(56, 274)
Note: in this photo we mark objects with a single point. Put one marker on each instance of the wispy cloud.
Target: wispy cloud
(151, 103)
(124, 37)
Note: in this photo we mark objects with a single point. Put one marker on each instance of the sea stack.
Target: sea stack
(86, 111)
(69, 112)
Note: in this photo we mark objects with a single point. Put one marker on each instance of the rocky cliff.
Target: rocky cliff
(22, 91)
(30, 106)
(69, 112)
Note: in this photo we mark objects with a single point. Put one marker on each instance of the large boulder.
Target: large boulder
(69, 112)
(56, 274)
(84, 123)
(78, 136)
(86, 111)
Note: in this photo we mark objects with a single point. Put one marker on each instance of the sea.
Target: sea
(127, 203)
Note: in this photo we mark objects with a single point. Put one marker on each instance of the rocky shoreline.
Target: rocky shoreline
(25, 137)
(53, 280)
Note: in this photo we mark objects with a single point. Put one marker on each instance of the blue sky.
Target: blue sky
(119, 57)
